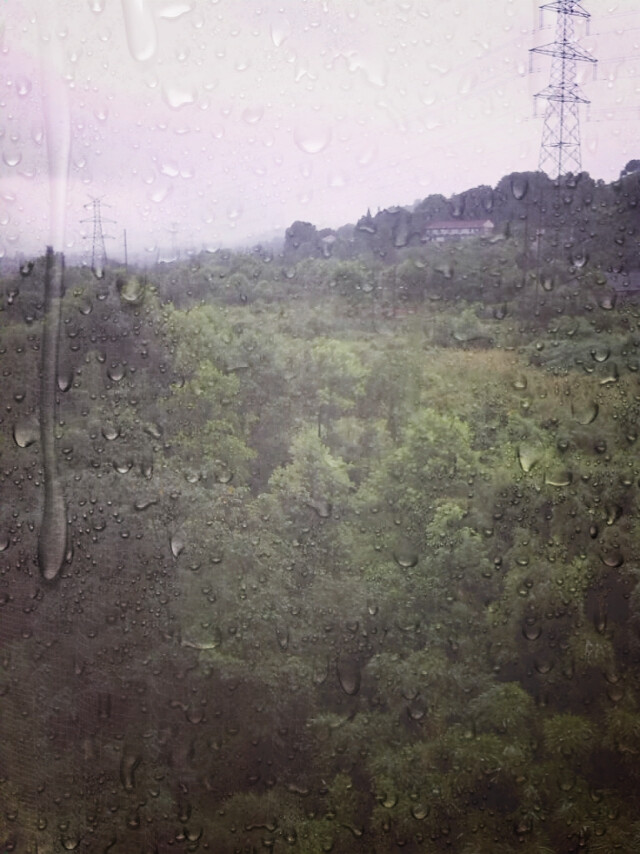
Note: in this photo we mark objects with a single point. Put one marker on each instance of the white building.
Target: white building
(457, 229)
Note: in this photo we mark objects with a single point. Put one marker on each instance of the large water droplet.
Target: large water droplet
(419, 811)
(585, 413)
(176, 10)
(528, 456)
(177, 544)
(613, 558)
(282, 636)
(608, 301)
(115, 372)
(128, 765)
(312, 138)
(131, 290)
(177, 96)
(320, 672)
(252, 115)
(12, 158)
(520, 383)
(154, 430)
(371, 65)
(222, 472)
(213, 642)
(416, 711)
(280, 31)
(65, 379)
(25, 433)
(141, 29)
(110, 432)
(614, 512)
(547, 283)
(558, 477)
(144, 504)
(611, 376)
(348, 675)
(579, 258)
(322, 507)
(23, 87)
(615, 693)
(170, 168)
(531, 631)
(519, 186)
(405, 556)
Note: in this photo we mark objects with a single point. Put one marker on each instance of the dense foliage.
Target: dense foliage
(352, 551)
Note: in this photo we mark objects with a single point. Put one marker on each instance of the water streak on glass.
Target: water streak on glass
(52, 540)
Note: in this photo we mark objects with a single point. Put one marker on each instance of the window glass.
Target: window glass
(319, 355)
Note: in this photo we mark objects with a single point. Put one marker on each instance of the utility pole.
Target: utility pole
(560, 148)
(98, 251)
(126, 256)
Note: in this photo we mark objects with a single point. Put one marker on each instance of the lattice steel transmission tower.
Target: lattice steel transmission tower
(560, 148)
(98, 249)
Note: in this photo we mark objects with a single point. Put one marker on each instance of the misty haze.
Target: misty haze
(319, 490)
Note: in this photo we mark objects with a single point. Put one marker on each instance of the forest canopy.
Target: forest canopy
(352, 540)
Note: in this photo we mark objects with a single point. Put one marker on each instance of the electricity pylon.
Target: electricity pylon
(560, 148)
(98, 250)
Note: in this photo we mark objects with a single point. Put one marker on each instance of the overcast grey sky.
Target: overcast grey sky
(203, 122)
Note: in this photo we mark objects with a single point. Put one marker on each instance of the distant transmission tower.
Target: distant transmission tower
(560, 148)
(98, 250)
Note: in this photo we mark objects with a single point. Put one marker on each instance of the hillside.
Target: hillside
(352, 541)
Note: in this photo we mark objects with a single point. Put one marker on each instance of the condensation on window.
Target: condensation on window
(319, 352)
